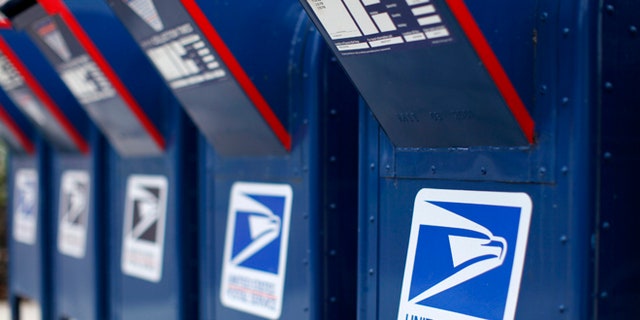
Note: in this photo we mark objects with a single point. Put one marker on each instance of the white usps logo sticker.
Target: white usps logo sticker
(465, 256)
(255, 252)
(74, 213)
(144, 227)
(25, 206)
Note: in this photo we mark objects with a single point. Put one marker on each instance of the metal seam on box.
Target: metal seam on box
(238, 72)
(44, 97)
(54, 7)
(19, 134)
(491, 62)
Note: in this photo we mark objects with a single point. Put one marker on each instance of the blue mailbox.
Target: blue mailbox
(490, 186)
(26, 219)
(75, 243)
(70, 154)
(149, 191)
(278, 160)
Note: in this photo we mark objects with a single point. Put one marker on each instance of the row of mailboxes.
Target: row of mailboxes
(276, 151)
(241, 177)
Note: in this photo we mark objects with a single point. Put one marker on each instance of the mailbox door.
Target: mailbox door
(77, 237)
(152, 212)
(299, 267)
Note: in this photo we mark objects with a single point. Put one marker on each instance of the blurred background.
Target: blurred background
(4, 256)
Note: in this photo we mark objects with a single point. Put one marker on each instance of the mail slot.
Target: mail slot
(278, 166)
(490, 135)
(147, 193)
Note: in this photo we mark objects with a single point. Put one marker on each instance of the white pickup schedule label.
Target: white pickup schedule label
(9, 76)
(335, 18)
(86, 81)
(367, 26)
(183, 57)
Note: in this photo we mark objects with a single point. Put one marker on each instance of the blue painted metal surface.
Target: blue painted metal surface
(28, 280)
(172, 294)
(29, 277)
(617, 261)
(78, 281)
(132, 291)
(578, 174)
(298, 76)
(24, 283)
(319, 281)
(76, 274)
(557, 172)
(280, 53)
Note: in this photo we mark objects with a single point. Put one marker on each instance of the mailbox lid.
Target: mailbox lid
(232, 77)
(64, 124)
(130, 128)
(428, 73)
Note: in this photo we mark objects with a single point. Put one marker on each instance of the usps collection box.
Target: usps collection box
(317, 159)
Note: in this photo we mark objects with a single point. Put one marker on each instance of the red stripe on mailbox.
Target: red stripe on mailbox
(44, 97)
(15, 130)
(54, 7)
(238, 72)
(5, 24)
(491, 62)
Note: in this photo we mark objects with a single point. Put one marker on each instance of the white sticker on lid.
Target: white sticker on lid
(51, 35)
(86, 81)
(384, 22)
(429, 20)
(183, 59)
(358, 27)
(335, 18)
(9, 76)
(437, 32)
(146, 10)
